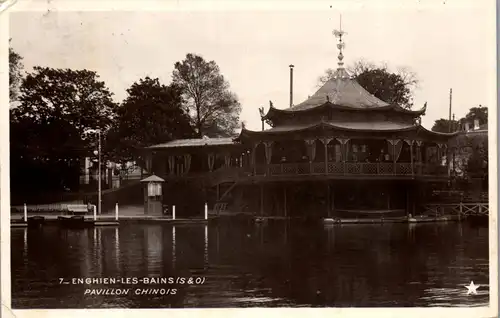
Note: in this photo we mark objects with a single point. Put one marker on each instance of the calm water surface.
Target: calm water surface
(245, 265)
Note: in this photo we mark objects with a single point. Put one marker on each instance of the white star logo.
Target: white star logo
(472, 289)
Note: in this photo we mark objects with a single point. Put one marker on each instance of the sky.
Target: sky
(447, 44)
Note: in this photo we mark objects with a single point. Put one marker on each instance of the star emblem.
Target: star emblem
(471, 288)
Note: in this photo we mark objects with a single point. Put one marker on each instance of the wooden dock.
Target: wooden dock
(102, 220)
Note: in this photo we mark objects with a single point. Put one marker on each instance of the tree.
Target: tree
(15, 76)
(443, 125)
(393, 88)
(152, 113)
(480, 113)
(214, 109)
(48, 128)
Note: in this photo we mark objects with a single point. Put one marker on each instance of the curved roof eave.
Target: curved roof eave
(316, 126)
(273, 110)
(436, 133)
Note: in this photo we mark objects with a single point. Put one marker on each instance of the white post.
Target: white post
(95, 212)
(206, 211)
(116, 212)
(25, 213)
(173, 212)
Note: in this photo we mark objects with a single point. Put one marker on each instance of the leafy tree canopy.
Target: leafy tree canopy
(48, 128)
(15, 76)
(445, 125)
(214, 109)
(480, 113)
(391, 87)
(152, 113)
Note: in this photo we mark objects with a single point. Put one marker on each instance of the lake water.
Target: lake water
(246, 265)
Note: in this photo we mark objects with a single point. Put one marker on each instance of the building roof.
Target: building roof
(194, 142)
(153, 178)
(368, 126)
(359, 126)
(342, 92)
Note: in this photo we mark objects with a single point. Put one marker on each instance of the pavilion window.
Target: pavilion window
(154, 189)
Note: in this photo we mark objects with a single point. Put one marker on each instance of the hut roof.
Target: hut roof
(194, 142)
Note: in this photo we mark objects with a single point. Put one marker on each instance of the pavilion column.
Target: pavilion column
(187, 163)
(261, 199)
(171, 164)
(410, 143)
(343, 150)
(269, 153)
(211, 161)
(326, 141)
(395, 146)
(284, 201)
(439, 152)
(227, 160)
(332, 207)
(310, 152)
(389, 199)
(149, 162)
(253, 158)
(407, 202)
(419, 155)
(328, 199)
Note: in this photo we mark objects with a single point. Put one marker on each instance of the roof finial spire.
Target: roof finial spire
(341, 45)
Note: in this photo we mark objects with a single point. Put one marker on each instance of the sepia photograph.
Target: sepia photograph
(234, 155)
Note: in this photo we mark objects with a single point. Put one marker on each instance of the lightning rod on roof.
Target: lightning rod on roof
(341, 45)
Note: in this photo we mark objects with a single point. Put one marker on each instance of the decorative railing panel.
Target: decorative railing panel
(230, 174)
(353, 168)
(290, 168)
(385, 168)
(336, 168)
(403, 168)
(318, 167)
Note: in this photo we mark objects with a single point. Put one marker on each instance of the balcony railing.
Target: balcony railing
(231, 174)
(349, 168)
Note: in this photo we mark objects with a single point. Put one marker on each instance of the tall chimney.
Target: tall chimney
(291, 85)
(449, 117)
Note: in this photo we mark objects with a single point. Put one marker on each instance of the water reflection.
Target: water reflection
(173, 247)
(205, 251)
(117, 248)
(278, 264)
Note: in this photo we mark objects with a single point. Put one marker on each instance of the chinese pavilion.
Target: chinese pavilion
(340, 153)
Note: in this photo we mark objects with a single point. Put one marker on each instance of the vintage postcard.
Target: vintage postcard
(241, 158)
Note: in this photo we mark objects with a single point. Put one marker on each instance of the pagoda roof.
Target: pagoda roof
(341, 91)
(368, 126)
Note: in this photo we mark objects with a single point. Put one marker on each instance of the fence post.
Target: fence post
(460, 212)
(206, 211)
(95, 212)
(480, 208)
(116, 211)
(25, 213)
(173, 212)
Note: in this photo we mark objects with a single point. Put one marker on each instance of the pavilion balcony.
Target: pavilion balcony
(330, 170)
(350, 169)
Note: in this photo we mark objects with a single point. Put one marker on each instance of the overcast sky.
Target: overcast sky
(448, 45)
